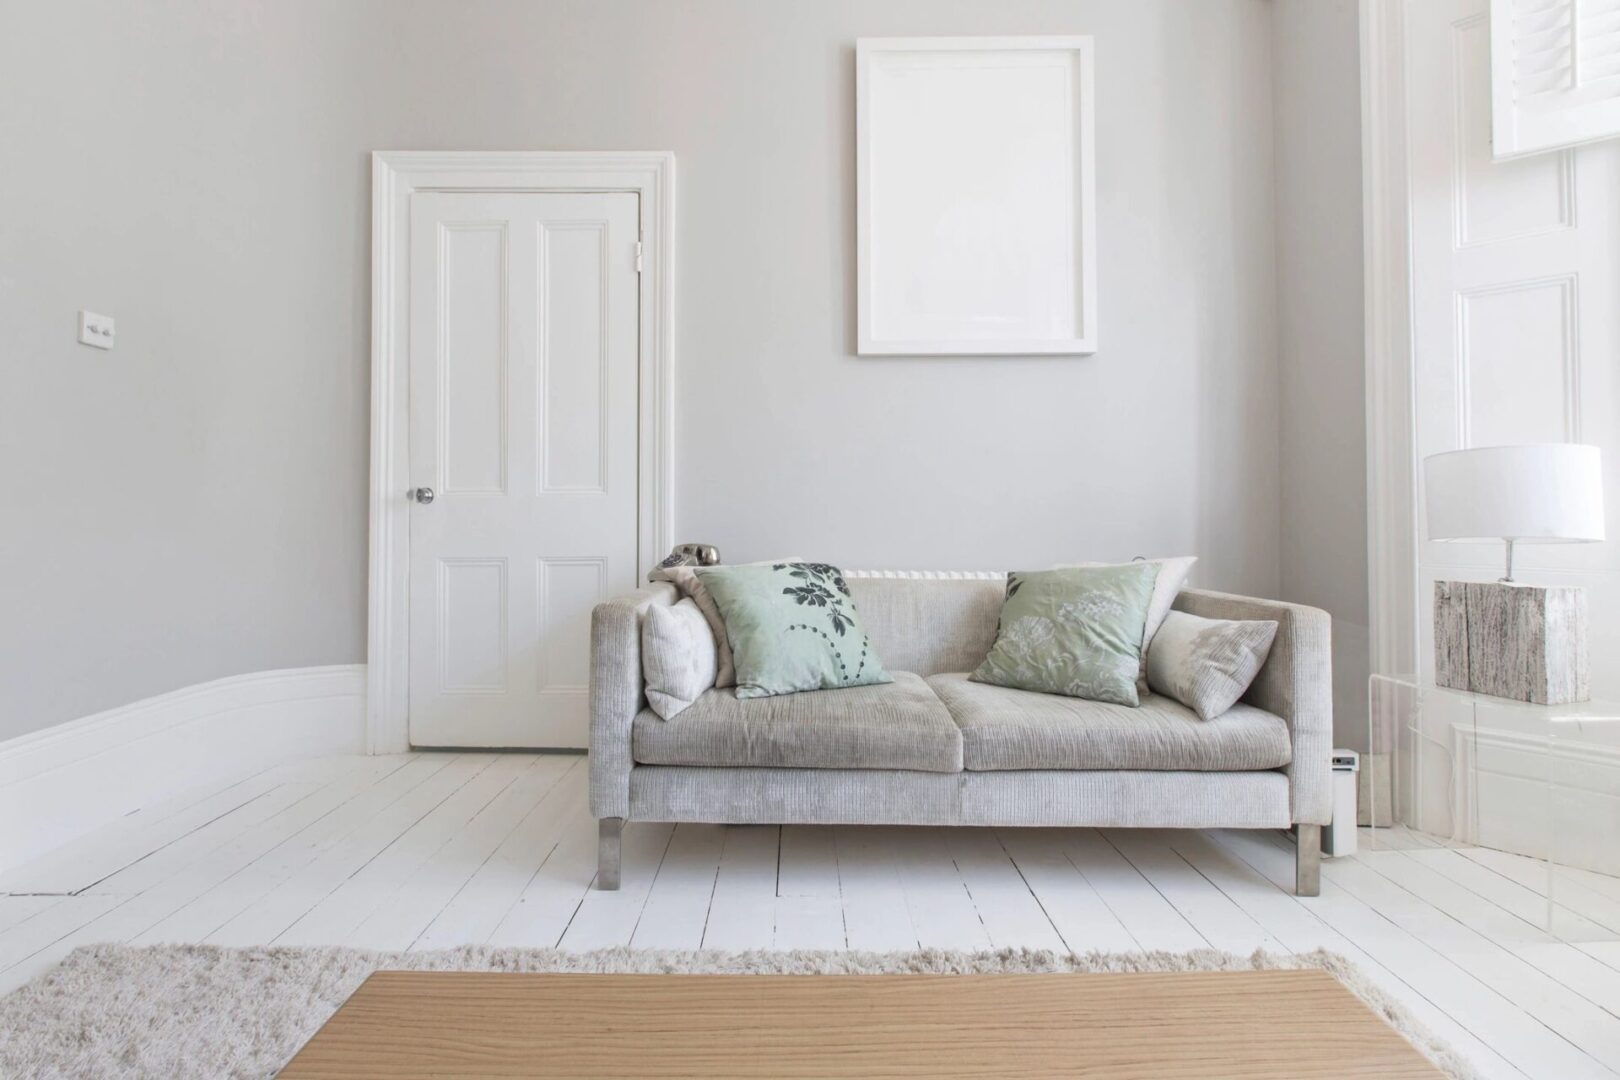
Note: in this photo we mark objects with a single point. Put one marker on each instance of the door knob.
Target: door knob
(424, 495)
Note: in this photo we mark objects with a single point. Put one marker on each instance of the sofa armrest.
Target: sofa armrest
(1296, 684)
(617, 693)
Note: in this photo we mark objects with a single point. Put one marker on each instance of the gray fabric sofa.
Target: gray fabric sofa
(933, 748)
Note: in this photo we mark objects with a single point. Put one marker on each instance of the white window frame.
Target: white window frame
(1580, 113)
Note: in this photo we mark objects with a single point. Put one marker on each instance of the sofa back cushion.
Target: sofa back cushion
(929, 625)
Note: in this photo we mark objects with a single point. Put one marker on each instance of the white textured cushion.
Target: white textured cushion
(678, 656)
(685, 578)
(1207, 664)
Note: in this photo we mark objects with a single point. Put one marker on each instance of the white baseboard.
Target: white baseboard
(1519, 791)
(1545, 798)
(64, 781)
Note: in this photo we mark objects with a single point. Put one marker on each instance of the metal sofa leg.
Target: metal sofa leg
(610, 832)
(1308, 860)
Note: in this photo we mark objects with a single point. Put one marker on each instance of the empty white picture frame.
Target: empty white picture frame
(975, 192)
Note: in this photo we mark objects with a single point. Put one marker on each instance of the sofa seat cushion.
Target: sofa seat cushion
(1005, 729)
(896, 725)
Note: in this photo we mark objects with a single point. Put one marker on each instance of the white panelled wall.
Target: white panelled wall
(1515, 333)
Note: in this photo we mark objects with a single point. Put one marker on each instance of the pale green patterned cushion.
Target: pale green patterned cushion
(791, 627)
(1166, 587)
(1074, 632)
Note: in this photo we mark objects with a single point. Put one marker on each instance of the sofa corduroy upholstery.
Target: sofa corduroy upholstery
(1015, 758)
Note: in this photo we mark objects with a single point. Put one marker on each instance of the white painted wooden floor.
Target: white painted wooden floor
(428, 850)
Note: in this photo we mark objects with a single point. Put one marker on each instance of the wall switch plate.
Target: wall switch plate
(95, 330)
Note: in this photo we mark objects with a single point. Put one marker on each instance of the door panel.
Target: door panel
(523, 371)
(573, 394)
(569, 588)
(473, 358)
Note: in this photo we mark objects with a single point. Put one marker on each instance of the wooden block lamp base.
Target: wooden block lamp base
(1524, 642)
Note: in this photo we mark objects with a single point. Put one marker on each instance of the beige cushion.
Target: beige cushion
(898, 725)
(1004, 729)
(1208, 664)
(678, 656)
(685, 578)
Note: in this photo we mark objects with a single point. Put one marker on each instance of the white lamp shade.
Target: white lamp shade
(1549, 493)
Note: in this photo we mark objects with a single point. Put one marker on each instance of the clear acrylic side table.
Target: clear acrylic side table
(1530, 793)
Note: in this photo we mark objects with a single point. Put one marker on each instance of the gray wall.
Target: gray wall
(193, 504)
(1319, 333)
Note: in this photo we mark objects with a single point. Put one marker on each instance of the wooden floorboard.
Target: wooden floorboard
(1151, 919)
(337, 917)
(84, 862)
(1079, 914)
(604, 919)
(423, 894)
(809, 895)
(19, 909)
(1216, 917)
(1294, 921)
(362, 795)
(1011, 913)
(439, 850)
(1514, 1046)
(875, 914)
(1538, 996)
(742, 911)
(486, 897)
(557, 887)
(371, 829)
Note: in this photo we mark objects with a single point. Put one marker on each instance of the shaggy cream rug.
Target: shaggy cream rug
(200, 1011)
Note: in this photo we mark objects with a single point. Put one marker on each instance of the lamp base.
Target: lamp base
(1523, 642)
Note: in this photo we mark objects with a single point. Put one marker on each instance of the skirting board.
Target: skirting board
(62, 782)
(1499, 795)
(1539, 797)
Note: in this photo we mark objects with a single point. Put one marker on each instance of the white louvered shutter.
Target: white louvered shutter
(1555, 74)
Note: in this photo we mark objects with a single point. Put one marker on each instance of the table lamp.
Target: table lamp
(1505, 638)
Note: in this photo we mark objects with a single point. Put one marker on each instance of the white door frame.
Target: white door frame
(395, 176)
(1395, 615)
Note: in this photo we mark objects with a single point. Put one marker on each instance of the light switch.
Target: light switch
(95, 330)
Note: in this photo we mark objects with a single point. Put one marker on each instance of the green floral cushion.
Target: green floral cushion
(1074, 632)
(792, 627)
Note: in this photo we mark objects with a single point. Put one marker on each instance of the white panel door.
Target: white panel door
(523, 372)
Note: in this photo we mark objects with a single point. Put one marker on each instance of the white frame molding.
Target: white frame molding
(395, 176)
(1392, 489)
(1082, 148)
